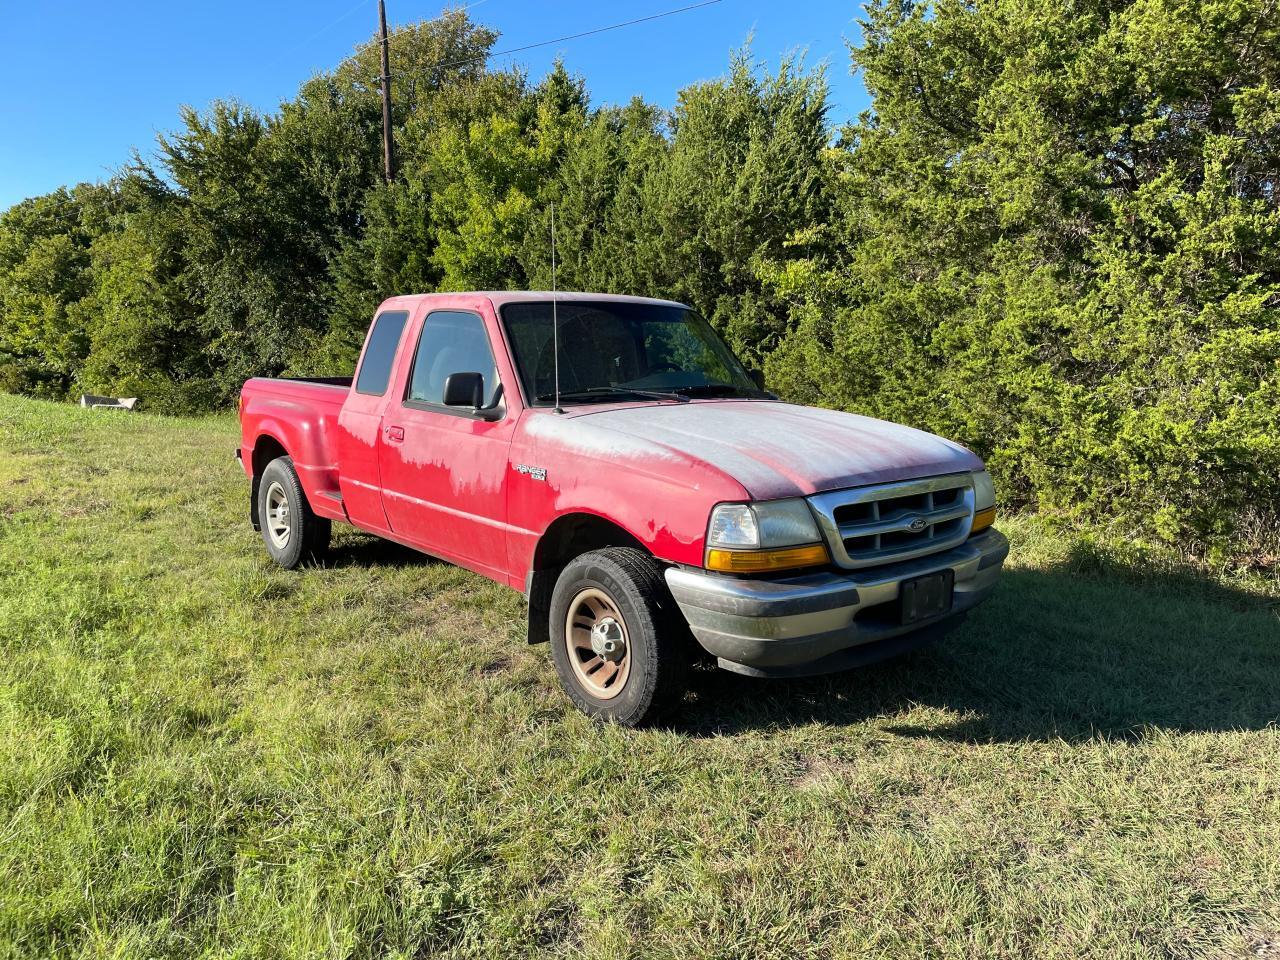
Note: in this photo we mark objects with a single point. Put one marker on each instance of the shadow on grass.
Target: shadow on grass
(1075, 652)
(358, 550)
(1096, 647)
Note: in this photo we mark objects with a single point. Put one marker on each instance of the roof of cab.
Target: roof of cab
(500, 298)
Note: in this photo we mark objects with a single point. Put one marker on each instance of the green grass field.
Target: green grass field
(201, 755)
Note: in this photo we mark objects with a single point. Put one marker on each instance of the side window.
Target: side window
(451, 342)
(375, 369)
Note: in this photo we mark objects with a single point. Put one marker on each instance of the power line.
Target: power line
(363, 4)
(575, 36)
(67, 216)
(504, 53)
(331, 24)
(449, 10)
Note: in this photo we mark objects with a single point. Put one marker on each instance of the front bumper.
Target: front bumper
(820, 622)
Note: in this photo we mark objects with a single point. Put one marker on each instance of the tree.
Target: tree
(1053, 237)
(1060, 227)
(44, 273)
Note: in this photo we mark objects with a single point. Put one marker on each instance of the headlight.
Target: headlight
(762, 537)
(733, 525)
(984, 501)
(984, 491)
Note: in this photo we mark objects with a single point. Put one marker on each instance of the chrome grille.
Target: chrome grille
(868, 526)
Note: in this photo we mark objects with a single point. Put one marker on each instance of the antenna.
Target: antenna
(555, 313)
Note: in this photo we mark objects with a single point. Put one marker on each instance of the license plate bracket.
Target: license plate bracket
(922, 598)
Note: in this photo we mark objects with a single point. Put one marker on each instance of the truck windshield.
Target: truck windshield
(618, 350)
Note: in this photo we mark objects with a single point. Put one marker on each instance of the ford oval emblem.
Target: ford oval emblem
(918, 524)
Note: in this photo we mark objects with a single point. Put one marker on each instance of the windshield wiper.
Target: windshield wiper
(619, 391)
(716, 390)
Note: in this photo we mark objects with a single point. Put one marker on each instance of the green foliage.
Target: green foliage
(44, 274)
(1053, 238)
(1056, 241)
(489, 180)
(145, 336)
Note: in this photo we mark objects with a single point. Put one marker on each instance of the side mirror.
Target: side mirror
(464, 390)
(757, 377)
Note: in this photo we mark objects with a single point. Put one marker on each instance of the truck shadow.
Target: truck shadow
(1082, 651)
(366, 550)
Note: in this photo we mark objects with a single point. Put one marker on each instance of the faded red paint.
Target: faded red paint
(451, 486)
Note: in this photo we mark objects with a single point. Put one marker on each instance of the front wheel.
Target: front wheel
(291, 530)
(617, 640)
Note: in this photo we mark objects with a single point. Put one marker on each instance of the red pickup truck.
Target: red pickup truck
(611, 459)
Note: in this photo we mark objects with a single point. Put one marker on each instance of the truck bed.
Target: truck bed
(327, 392)
(344, 382)
(298, 415)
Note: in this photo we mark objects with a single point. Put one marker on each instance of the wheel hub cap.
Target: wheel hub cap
(607, 639)
(278, 524)
(595, 635)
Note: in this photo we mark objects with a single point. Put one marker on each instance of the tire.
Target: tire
(297, 535)
(626, 586)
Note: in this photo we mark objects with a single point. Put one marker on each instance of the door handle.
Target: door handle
(395, 434)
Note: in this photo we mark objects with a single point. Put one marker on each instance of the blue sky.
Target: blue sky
(81, 83)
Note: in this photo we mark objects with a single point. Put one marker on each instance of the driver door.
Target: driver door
(444, 469)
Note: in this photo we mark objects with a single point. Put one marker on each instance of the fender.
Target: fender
(305, 434)
(675, 534)
(659, 497)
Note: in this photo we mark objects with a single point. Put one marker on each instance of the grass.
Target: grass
(201, 755)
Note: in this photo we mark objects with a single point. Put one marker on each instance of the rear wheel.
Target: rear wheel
(290, 528)
(617, 640)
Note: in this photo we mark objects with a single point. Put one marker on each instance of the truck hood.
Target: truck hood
(775, 449)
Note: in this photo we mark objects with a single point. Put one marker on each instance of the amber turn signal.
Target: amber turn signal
(767, 561)
(983, 519)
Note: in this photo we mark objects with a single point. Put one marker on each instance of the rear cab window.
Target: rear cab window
(380, 352)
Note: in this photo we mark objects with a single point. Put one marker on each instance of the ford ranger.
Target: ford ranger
(611, 459)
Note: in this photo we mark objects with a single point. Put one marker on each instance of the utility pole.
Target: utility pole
(388, 148)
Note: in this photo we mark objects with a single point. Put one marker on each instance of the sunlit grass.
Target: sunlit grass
(202, 755)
